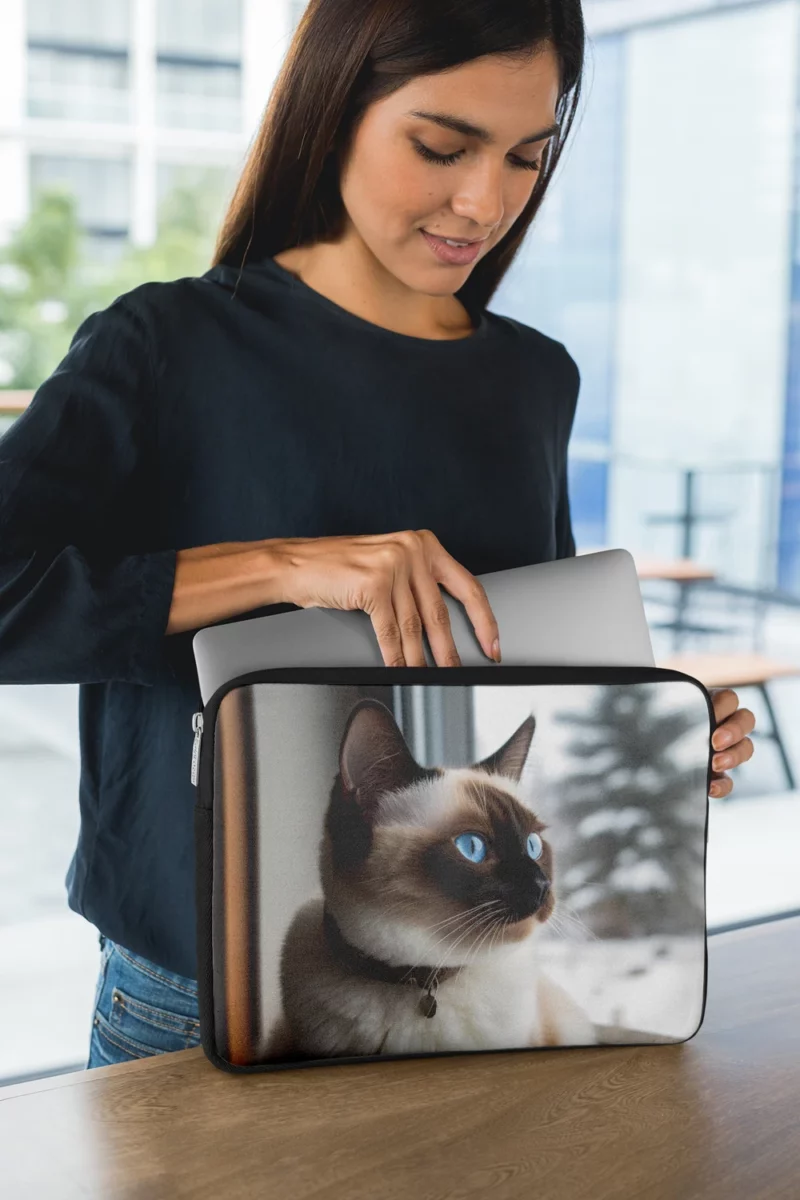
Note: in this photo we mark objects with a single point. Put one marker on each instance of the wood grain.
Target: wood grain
(713, 1119)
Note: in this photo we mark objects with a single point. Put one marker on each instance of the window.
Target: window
(101, 187)
(65, 85)
(200, 28)
(192, 95)
(199, 65)
(673, 282)
(80, 22)
(78, 66)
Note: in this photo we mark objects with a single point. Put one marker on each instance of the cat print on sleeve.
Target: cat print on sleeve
(436, 885)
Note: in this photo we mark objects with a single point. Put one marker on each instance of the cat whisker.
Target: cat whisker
(478, 945)
(484, 917)
(497, 931)
(564, 919)
(557, 926)
(410, 904)
(461, 924)
(474, 949)
(459, 916)
(474, 921)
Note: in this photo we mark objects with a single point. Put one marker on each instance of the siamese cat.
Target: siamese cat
(436, 882)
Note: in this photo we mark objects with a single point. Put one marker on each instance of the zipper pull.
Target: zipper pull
(197, 726)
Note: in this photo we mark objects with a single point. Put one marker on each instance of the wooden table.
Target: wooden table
(713, 1119)
(677, 570)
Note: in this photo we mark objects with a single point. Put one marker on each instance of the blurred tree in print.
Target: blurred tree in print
(634, 861)
(50, 281)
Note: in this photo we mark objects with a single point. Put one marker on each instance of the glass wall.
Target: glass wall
(662, 258)
(704, 261)
(565, 281)
(666, 259)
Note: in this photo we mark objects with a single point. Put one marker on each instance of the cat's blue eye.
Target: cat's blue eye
(471, 846)
(535, 845)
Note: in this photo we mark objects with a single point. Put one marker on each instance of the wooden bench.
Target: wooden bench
(741, 671)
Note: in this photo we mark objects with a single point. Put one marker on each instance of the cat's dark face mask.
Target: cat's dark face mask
(429, 844)
(501, 862)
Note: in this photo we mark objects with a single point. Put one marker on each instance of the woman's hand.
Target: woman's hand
(729, 740)
(394, 578)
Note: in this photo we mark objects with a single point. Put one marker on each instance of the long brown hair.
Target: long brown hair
(344, 56)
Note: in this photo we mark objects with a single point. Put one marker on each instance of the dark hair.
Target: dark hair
(347, 54)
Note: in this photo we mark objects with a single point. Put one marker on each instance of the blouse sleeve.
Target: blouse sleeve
(82, 599)
(565, 541)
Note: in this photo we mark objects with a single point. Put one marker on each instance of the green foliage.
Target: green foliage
(41, 298)
(50, 280)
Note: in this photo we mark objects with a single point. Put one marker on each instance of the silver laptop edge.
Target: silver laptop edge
(585, 610)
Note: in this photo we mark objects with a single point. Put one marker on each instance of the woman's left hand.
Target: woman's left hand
(731, 744)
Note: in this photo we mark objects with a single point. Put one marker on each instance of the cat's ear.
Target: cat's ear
(510, 758)
(374, 756)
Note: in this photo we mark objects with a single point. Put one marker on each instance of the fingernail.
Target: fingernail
(714, 789)
(723, 737)
(496, 650)
(722, 761)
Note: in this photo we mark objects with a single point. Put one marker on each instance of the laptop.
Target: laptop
(585, 610)
(582, 611)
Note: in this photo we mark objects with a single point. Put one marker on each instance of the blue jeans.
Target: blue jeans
(140, 1009)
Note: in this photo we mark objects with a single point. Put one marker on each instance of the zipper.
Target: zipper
(197, 726)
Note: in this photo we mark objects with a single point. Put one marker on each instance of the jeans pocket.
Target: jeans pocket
(150, 1028)
(145, 1010)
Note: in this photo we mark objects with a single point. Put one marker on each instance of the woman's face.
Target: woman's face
(392, 190)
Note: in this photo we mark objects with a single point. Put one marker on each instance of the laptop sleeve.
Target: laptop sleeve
(416, 861)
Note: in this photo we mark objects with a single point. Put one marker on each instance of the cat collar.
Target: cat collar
(359, 963)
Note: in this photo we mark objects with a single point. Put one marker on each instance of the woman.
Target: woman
(328, 417)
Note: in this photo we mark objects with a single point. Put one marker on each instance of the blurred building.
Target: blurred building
(122, 99)
(666, 258)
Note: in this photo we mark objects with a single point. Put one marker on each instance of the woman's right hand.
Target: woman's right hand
(394, 578)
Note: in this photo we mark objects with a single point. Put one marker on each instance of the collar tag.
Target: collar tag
(427, 1004)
